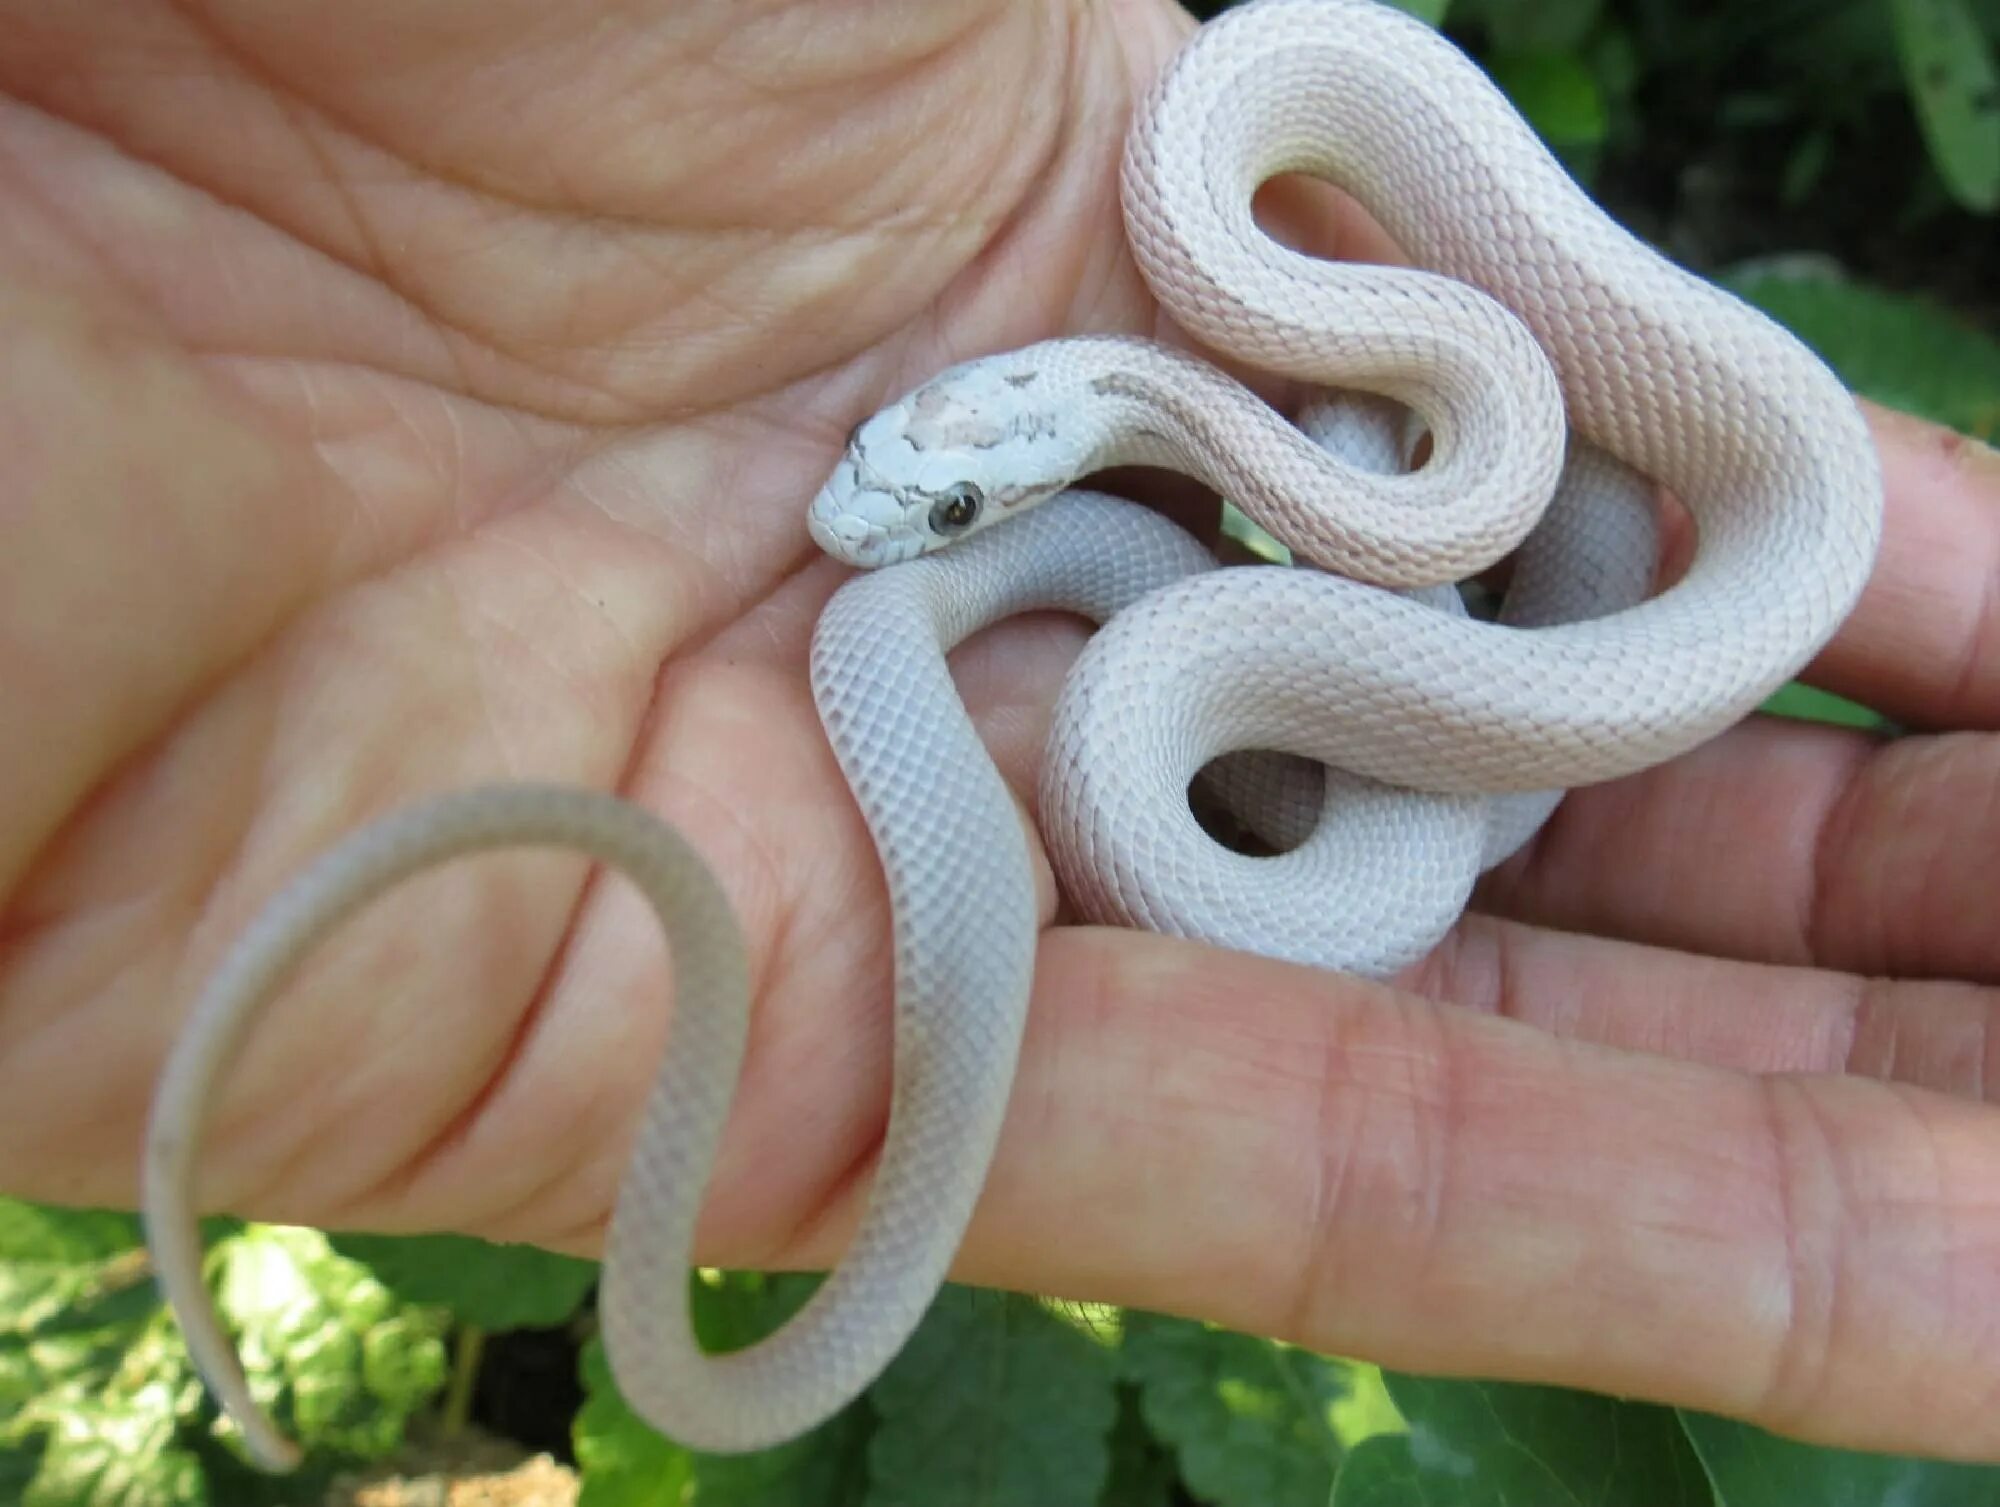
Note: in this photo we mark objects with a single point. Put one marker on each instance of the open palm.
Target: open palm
(399, 398)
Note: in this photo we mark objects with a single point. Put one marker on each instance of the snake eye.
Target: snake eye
(956, 511)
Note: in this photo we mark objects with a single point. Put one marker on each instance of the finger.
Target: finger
(1782, 842)
(1365, 1173)
(1311, 215)
(1755, 1018)
(1923, 643)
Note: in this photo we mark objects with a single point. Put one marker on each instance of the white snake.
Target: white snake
(1537, 302)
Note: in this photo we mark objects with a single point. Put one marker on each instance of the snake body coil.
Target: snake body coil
(1444, 739)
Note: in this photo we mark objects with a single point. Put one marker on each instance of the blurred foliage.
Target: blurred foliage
(1589, 73)
(100, 1406)
(997, 1400)
(1903, 351)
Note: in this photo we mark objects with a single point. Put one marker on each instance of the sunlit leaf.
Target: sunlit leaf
(116, 1455)
(339, 1361)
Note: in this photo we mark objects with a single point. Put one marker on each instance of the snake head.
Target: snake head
(978, 442)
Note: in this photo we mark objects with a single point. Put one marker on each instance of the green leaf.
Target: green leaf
(828, 1467)
(53, 1259)
(42, 1235)
(18, 1464)
(1750, 1468)
(1238, 527)
(95, 1389)
(1250, 1420)
(1557, 94)
(1805, 168)
(1431, 11)
(327, 1348)
(984, 1372)
(623, 1462)
(79, 1321)
(1490, 1444)
(1143, 1473)
(1949, 69)
(1804, 703)
(1548, 26)
(1383, 1472)
(1367, 1409)
(733, 1309)
(1901, 351)
(116, 1454)
(492, 1287)
(99, 1404)
(1615, 62)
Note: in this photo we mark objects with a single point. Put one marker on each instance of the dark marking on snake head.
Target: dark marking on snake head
(939, 420)
(1021, 379)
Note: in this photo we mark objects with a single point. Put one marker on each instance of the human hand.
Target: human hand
(442, 405)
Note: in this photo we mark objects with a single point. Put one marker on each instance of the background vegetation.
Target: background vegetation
(1837, 162)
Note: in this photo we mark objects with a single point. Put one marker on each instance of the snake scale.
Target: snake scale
(1553, 369)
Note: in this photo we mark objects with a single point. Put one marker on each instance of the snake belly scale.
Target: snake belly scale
(1398, 743)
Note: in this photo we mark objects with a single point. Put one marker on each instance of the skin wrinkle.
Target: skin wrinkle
(1869, 1003)
(1898, 801)
(459, 1128)
(1043, 186)
(1468, 968)
(282, 1121)
(372, 263)
(1832, 834)
(485, 623)
(1986, 1078)
(449, 336)
(1319, 1267)
(493, 191)
(1970, 671)
(1704, 810)
(282, 1175)
(455, 1129)
(456, 332)
(426, 1159)
(1800, 1347)
(575, 1179)
(1960, 1254)
(837, 1200)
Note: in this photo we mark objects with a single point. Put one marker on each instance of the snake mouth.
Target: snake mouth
(859, 523)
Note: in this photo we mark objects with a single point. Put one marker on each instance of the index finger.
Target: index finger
(1365, 1172)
